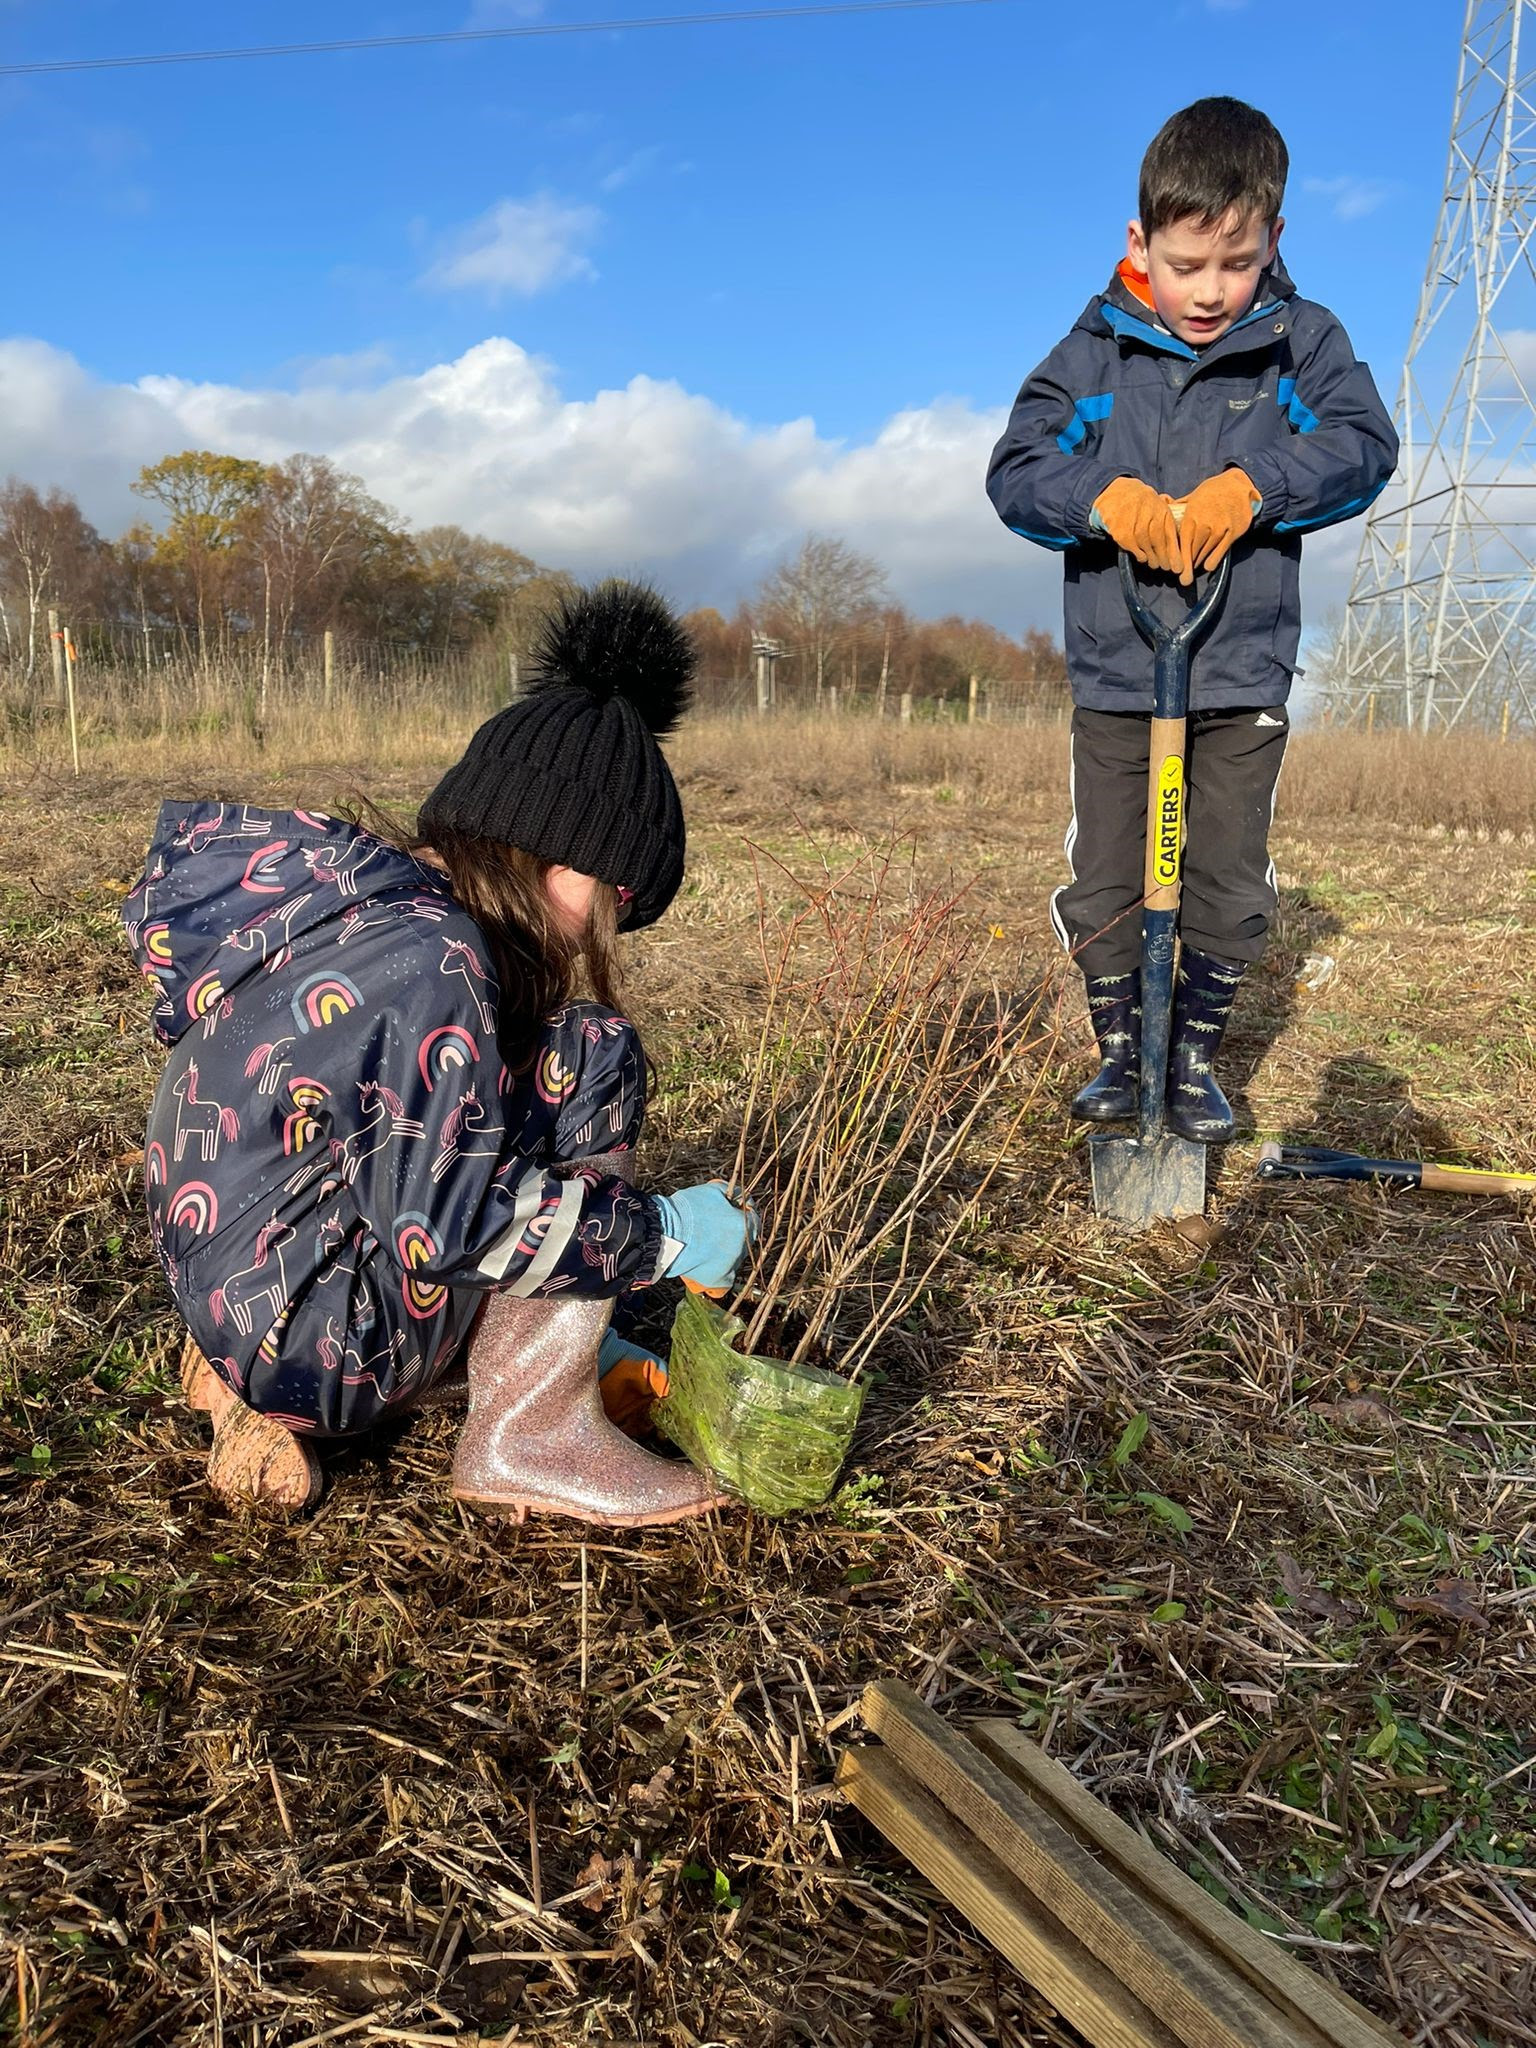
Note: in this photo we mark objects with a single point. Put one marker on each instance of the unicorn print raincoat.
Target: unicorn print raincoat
(339, 1162)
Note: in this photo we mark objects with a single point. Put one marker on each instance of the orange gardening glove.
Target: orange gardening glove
(1215, 514)
(1140, 520)
(630, 1383)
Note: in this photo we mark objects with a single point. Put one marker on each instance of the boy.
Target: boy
(1198, 406)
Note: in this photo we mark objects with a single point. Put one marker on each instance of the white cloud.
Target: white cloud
(649, 477)
(1353, 198)
(639, 164)
(520, 246)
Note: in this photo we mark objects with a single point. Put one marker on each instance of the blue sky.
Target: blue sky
(873, 225)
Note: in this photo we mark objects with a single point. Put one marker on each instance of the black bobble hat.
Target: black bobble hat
(571, 771)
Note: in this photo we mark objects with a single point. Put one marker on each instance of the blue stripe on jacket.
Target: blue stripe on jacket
(1044, 540)
(1085, 411)
(1121, 324)
(1347, 510)
(1301, 417)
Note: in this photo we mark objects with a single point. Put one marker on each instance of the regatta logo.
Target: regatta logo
(1170, 823)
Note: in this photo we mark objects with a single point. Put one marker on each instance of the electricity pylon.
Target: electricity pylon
(1441, 623)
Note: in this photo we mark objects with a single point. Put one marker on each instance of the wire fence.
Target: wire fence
(115, 682)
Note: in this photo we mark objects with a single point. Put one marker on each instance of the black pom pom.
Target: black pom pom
(618, 640)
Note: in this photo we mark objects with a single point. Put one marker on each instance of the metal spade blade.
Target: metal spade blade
(1140, 1183)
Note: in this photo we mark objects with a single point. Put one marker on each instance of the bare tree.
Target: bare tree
(48, 554)
(816, 597)
(312, 523)
(468, 584)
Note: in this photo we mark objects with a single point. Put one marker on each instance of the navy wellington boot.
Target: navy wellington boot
(1202, 1003)
(1114, 1004)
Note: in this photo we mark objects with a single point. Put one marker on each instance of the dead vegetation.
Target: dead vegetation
(1239, 1523)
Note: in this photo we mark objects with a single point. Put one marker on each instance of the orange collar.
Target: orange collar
(1136, 283)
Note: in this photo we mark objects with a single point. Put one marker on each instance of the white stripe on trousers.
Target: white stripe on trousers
(1068, 847)
(1271, 877)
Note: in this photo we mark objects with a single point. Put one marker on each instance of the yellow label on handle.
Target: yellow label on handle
(1169, 830)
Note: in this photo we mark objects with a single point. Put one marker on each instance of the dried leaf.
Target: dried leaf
(1360, 1411)
(1200, 1231)
(1451, 1599)
(654, 1799)
(359, 1982)
(1308, 1597)
(602, 1873)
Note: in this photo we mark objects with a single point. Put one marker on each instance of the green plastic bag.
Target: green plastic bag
(776, 1434)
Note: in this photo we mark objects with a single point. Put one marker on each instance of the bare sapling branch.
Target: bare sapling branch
(886, 1052)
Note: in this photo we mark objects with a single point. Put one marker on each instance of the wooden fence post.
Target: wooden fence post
(1370, 713)
(906, 707)
(56, 653)
(970, 709)
(1504, 724)
(328, 658)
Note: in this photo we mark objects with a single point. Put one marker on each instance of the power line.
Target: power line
(527, 32)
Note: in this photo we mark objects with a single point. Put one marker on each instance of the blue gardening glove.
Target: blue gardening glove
(712, 1235)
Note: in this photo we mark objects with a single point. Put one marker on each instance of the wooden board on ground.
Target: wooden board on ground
(1309, 1999)
(1081, 1988)
(1127, 1946)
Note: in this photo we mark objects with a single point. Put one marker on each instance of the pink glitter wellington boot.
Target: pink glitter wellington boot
(452, 1390)
(537, 1440)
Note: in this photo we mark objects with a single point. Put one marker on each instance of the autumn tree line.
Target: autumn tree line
(251, 564)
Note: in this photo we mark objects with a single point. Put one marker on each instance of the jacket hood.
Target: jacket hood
(228, 890)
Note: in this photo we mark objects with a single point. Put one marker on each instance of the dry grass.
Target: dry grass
(1241, 1529)
(751, 769)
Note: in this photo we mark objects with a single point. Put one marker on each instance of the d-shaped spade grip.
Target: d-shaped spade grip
(1173, 645)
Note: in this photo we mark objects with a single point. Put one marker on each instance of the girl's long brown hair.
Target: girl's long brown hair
(539, 966)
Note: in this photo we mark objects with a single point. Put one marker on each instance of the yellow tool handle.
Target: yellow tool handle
(714, 1293)
(1472, 1180)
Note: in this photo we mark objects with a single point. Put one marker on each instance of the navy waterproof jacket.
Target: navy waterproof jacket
(338, 1163)
(1280, 395)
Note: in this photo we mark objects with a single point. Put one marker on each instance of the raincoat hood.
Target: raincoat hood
(228, 889)
(1128, 291)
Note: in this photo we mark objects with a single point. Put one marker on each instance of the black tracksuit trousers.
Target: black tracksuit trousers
(1232, 765)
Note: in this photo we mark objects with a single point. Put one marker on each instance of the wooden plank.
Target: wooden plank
(1314, 2007)
(1086, 1994)
(1205, 2004)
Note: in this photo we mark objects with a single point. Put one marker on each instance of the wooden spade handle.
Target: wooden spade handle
(1472, 1180)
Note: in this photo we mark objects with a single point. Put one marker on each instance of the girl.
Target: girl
(385, 1128)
